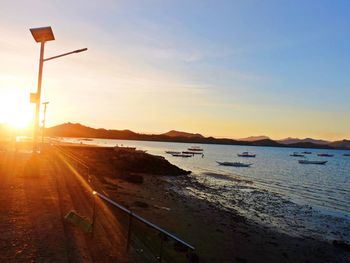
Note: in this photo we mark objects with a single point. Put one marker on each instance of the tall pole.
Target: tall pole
(44, 122)
(38, 96)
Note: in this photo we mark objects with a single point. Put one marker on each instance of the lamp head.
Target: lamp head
(42, 34)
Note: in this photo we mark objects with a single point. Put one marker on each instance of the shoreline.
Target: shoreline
(218, 235)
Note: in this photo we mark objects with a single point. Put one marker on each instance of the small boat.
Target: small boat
(172, 152)
(346, 154)
(235, 164)
(190, 152)
(325, 155)
(195, 149)
(297, 155)
(312, 162)
(246, 154)
(306, 152)
(126, 148)
(182, 155)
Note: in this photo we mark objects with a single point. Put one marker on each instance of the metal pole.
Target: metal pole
(93, 214)
(38, 96)
(129, 233)
(44, 122)
(161, 247)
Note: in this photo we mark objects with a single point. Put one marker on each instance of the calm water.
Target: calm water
(294, 198)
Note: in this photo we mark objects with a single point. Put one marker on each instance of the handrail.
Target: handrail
(127, 211)
(143, 220)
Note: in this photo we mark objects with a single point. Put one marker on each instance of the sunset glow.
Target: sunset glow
(15, 109)
(156, 71)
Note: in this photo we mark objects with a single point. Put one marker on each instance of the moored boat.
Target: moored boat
(190, 152)
(235, 164)
(312, 162)
(195, 149)
(182, 155)
(325, 155)
(297, 155)
(246, 154)
(172, 152)
(306, 152)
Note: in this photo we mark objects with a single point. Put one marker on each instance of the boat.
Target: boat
(182, 155)
(246, 154)
(306, 152)
(195, 149)
(325, 155)
(172, 152)
(190, 152)
(312, 162)
(126, 148)
(235, 164)
(297, 155)
(346, 154)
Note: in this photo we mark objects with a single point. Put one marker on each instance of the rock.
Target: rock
(341, 244)
(193, 257)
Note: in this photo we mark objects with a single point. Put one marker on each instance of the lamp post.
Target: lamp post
(44, 122)
(42, 35)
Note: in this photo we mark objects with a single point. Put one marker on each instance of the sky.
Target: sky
(220, 68)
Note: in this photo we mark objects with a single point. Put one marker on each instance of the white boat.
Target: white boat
(235, 164)
(182, 155)
(191, 152)
(295, 154)
(246, 154)
(312, 162)
(325, 155)
(195, 149)
(172, 152)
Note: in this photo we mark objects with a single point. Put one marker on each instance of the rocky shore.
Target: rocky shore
(219, 235)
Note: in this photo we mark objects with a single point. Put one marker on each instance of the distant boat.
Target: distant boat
(312, 162)
(325, 155)
(182, 155)
(195, 149)
(306, 152)
(246, 154)
(117, 147)
(297, 155)
(235, 164)
(346, 154)
(190, 152)
(172, 152)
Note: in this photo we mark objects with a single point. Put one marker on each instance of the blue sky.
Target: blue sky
(222, 68)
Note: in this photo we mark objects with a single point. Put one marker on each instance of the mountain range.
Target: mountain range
(79, 130)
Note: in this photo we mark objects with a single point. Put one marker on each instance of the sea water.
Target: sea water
(277, 191)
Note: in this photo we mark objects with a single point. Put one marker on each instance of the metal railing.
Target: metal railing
(131, 215)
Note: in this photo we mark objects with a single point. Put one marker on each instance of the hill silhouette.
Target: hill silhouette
(79, 130)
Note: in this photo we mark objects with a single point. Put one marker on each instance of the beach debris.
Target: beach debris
(162, 207)
(82, 222)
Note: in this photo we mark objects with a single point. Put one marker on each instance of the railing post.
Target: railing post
(161, 247)
(93, 213)
(129, 232)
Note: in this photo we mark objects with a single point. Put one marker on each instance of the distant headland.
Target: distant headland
(79, 130)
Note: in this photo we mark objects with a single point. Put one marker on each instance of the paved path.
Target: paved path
(30, 220)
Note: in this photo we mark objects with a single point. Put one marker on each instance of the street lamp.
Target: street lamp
(42, 35)
(44, 122)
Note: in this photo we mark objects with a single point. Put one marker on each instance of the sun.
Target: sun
(15, 108)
